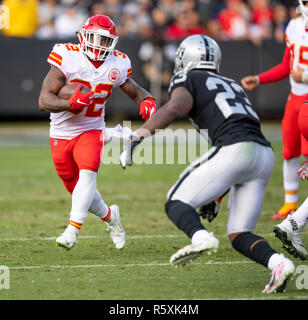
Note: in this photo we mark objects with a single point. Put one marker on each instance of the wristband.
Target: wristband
(148, 97)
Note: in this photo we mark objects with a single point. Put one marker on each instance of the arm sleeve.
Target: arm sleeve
(278, 72)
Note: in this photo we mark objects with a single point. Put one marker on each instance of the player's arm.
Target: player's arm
(274, 74)
(48, 99)
(141, 97)
(179, 105)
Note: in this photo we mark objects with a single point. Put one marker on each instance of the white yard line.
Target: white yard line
(95, 237)
(88, 266)
(125, 265)
(128, 237)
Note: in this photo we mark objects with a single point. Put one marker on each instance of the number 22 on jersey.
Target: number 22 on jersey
(231, 91)
(95, 109)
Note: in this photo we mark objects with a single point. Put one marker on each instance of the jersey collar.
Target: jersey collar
(96, 64)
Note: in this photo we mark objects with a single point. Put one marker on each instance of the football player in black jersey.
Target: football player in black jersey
(240, 159)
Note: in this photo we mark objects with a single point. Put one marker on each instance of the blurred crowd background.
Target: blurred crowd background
(160, 20)
(251, 34)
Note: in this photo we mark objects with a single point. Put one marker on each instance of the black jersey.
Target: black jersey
(220, 106)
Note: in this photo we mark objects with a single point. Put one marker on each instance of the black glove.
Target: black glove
(209, 211)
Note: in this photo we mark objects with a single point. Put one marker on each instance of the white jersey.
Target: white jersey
(297, 41)
(77, 68)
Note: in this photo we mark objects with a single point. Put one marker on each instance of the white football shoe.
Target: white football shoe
(288, 233)
(280, 277)
(185, 255)
(117, 232)
(67, 240)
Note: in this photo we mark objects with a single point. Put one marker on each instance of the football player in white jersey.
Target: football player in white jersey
(294, 65)
(290, 229)
(77, 125)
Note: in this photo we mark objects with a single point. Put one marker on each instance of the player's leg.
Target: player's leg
(82, 198)
(245, 204)
(303, 127)
(202, 182)
(187, 219)
(64, 162)
(181, 204)
(98, 207)
(289, 231)
(68, 171)
(86, 154)
(92, 143)
(291, 153)
(291, 184)
(111, 216)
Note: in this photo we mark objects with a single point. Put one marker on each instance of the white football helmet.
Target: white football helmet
(303, 9)
(197, 52)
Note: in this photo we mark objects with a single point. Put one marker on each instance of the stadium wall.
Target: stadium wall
(23, 66)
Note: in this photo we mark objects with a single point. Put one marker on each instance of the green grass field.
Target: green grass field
(34, 210)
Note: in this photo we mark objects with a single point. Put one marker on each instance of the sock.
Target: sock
(199, 236)
(83, 195)
(290, 197)
(274, 260)
(253, 247)
(107, 217)
(99, 207)
(290, 179)
(301, 215)
(184, 217)
(73, 227)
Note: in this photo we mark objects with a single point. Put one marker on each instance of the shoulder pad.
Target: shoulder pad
(176, 79)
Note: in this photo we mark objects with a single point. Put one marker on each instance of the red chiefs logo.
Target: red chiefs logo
(114, 75)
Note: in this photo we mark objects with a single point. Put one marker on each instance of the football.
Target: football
(67, 91)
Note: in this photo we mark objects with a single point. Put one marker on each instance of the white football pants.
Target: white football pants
(244, 168)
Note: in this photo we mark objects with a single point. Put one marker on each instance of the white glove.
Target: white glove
(119, 132)
(127, 153)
